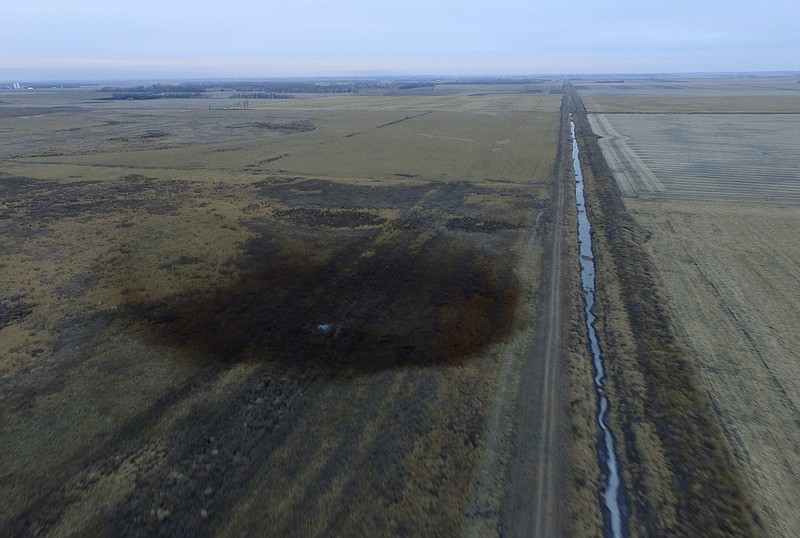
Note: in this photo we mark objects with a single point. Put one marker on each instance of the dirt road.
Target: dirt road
(536, 468)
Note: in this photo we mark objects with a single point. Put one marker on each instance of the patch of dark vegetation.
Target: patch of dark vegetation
(183, 260)
(136, 177)
(228, 149)
(284, 127)
(188, 260)
(472, 224)
(16, 112)
(422, 205)
(146, 136)
(77, 286)
(419, 220)
(710, 499)
(40, 202)
(13, 310)
(344, 311)
(319, 217)
(214, 455)
(77, 337)
(59, 489)
(424, 196)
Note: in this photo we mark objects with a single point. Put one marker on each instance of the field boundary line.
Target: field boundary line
(631, 173)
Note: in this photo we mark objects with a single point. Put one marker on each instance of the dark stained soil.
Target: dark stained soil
(396, 307)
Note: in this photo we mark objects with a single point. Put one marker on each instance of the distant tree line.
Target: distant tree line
(301, 86)
(157, 91)
(49, 85)
(494, 80)
(159, 88)
(284, 89)
(415, 85)
(120, 96)
(262, 95)
(277, 89)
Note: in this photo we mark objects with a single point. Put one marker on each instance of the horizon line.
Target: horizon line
(369, 74)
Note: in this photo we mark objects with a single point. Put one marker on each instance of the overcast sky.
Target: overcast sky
(69, 39)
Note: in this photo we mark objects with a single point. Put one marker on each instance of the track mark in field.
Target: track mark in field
(755, 348)
(395, 122)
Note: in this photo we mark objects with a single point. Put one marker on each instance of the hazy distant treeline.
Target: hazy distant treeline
(244, 90)
(284, 89)
(262, 95)
(301, 86)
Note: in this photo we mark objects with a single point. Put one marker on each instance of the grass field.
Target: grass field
(452, 137)
(309, 316)
(691, 95)
(715, 192)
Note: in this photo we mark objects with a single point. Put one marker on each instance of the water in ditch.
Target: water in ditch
(614, 510)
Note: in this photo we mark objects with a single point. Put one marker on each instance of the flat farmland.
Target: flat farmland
(690, 95)
(311, 316)
(715, 189)
(734, 157)
(368, 137)
(731, 276)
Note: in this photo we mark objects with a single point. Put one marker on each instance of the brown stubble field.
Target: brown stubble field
(713, 182)
(308, 317)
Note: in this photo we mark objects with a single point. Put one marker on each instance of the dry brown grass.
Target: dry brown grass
(729, 274)
(166, 363)
(679, 476)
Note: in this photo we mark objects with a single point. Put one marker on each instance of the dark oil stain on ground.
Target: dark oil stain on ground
(345, 312)
(45, 203)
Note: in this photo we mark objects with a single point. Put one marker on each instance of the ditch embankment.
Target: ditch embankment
(681, 478)
(614, 495)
